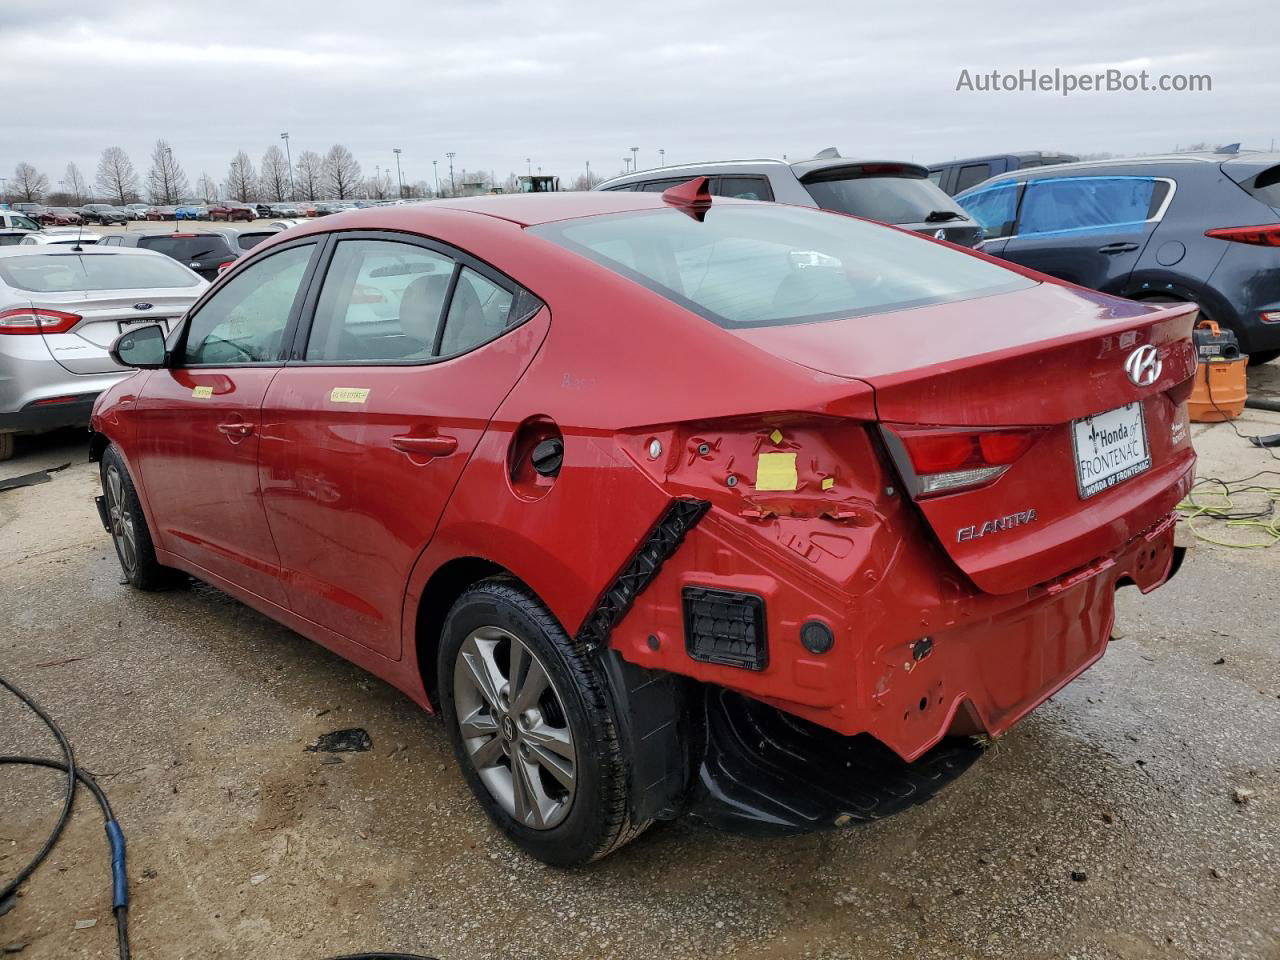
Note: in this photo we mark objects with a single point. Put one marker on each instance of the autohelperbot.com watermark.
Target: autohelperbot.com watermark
(1067, 82)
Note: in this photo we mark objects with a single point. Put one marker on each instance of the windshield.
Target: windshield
(199, 247)
(62, 272)
(887, 199)
(755, 264)
(20, 222)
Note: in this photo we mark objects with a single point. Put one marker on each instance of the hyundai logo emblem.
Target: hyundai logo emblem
(939, 234)
(142, 306)
(1144, 366)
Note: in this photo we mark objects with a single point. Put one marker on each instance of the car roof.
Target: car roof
(1259, 159)
(802, 169)
(528, 209)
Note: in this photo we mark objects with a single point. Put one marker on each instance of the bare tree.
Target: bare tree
(274, 181)
(310, 175)
(117, 180)
(242, 178)
(28, 185)
(417, 190)
(511, 184)
(76, 188)
(166, 181)
(380, 187)
(206, 187)
(341, 173)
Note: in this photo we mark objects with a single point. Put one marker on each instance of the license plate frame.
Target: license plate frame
(133, 323)
(1129, 414)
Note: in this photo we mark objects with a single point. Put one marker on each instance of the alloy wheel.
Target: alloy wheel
(121, 520)
(513, 724)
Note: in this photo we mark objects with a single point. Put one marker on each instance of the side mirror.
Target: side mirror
(142, 348)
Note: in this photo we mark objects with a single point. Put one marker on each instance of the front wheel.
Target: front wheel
(128, 528)
(532, 725)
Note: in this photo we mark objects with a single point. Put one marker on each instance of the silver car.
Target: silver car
(60, 311)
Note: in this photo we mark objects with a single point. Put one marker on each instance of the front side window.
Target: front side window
(381, 300)
(244, 322)
(761, 264)
(996, 208)
(19, 222)
(1088, 203)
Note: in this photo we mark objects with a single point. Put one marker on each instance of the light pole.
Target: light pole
(453, 185)
(662, 158)
(588, 174)
(435, 172)
(635, 158)
(626, 165)
(168, 173)
(293, 193)
(528, 161)
(399, 179)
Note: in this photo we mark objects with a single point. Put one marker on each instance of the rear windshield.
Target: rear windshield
(250, 240)
(61, 272)
(200, 247)
(751, 264)
(887, 199)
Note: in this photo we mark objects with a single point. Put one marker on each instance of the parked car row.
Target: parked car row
(1195, 228)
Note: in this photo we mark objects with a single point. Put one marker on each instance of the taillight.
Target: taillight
(945, 460)
(1267, 235)
(37, 320)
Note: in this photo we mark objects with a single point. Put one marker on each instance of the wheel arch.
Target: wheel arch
(445, 585)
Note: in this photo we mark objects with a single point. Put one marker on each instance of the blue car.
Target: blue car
(191, 211)
(1202, 228)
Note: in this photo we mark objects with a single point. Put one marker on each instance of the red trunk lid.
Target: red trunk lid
(1043, 357)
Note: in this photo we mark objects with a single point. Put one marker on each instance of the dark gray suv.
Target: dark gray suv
(888, 191)
(1202, 228)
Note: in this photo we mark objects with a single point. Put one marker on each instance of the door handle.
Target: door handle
(1121, 247)
(237, 429)
(425, 446)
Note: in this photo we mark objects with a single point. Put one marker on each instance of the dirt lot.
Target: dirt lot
(194, 712)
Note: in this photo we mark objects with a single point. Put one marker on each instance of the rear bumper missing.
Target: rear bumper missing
(919, 655)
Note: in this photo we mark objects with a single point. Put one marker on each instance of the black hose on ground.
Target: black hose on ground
(1263, 403)
(115, 836)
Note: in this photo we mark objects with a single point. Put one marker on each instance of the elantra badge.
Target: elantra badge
(1144, 366)
(998, 525)
(143, 306)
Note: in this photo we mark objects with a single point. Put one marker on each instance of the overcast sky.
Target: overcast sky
(566, 82)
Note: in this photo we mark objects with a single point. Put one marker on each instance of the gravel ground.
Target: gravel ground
(1104, 826)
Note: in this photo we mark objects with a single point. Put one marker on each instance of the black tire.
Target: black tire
(598, 820)
(7, 445)
(1262, 356)
(136, 553)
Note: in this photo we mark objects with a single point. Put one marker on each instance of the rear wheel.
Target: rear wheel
(7, 445)
(128, 528)
(1262, 356)
(532, 726)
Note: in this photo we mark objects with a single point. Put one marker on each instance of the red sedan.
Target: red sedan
(666, 504)
(231, 212)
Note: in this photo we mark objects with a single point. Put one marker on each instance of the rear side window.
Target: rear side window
(743, 188)
(935, 177)
(763, 264)
(971, 175)
(63, 272)
(887, 199)
(479, 311)
(1266, 187)
(248, 241)
(996, 208)
(244, 320)
(10, 239)
(1089, 203)
(198, 247)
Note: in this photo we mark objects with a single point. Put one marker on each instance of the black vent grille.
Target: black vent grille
(725, 627)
